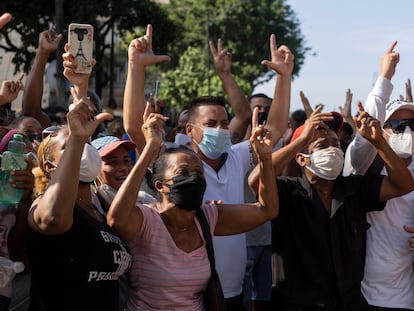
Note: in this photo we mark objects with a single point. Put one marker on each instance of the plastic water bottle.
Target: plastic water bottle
(11, 160)
(8, 269)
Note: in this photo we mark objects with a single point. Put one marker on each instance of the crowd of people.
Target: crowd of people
(308, 210)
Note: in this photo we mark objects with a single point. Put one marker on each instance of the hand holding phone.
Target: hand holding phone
(80, 40)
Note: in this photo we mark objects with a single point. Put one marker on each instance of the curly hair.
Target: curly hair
(44, 153)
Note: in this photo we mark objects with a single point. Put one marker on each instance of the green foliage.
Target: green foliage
(33, 17)
(193, 78)
(244, 26)
(182, 29)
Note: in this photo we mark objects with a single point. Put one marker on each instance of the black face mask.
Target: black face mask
(262, 117)
(187, 191)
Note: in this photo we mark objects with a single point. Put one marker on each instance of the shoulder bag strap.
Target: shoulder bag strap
(205, 227)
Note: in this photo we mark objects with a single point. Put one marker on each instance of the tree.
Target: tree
(32, 17)
(245, 27)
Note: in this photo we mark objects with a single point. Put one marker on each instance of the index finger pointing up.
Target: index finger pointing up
(360, 107)
(273, 45)
(149, 33)
(391, 47)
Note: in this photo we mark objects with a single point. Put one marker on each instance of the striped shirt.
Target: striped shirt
(162, 276)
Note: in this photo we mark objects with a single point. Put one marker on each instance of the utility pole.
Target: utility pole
(60, 81)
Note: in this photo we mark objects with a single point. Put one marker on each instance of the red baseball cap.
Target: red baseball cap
(335, 125)
(107, 144)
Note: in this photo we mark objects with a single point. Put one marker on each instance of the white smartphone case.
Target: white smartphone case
(80, 40)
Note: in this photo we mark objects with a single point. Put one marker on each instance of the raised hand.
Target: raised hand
(408, 92)
(49, 40)
(389, 61)
(306, 104)
(346, 109)
(80, 80)
(316, 120)
(282, 58)
(10, 89)
(221, 57)
(261, 138)
(367, 126)
(140, 50)
(152, 127)
(82, 119)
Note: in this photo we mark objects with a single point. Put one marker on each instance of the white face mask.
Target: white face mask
(326, 163)
(90, 164)
(402, 143)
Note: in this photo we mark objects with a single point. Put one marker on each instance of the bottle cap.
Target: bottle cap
(18, 137)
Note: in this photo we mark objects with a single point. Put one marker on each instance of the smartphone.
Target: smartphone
(80, 40)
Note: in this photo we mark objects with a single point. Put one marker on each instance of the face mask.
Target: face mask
(90, 164)
(402, 143)
(187, 191)
(327, 163)
(215, 142)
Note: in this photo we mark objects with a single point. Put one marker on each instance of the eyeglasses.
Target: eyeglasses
(398, 126)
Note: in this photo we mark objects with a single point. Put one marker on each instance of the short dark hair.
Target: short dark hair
(259, 95)
(204, 101)
(299, 116)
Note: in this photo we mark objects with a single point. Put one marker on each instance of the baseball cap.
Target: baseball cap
(335, 125)
(395, 105)
(107, 144)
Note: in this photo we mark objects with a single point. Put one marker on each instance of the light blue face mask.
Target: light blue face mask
(215, 142)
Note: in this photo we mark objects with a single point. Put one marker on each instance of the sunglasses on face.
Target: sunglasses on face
(34, 137)
(398, 126)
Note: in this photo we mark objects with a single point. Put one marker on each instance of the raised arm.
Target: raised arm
(33, 93)
(237, 99)
(360, 153)
(398, 180)
(123, 215)
(282, 63)
(233, 218)
(140, 55)
(10, 89)
(52, 213)
(282, 157)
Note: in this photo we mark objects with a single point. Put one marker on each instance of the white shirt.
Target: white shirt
(389, 275)
(228, 185)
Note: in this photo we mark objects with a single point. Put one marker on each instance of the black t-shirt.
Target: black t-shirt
(77, 270)
(323, 254)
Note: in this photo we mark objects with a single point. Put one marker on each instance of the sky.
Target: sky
(349, 38)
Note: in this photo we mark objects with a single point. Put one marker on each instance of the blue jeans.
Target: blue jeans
(258, 277)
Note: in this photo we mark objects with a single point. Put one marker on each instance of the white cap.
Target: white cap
(395, 105)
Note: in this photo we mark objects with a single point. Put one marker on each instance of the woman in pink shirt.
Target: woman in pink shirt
(170, 268)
